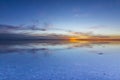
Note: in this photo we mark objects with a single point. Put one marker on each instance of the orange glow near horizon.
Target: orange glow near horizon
(73, 39)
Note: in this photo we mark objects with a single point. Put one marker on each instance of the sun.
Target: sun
(73, 39)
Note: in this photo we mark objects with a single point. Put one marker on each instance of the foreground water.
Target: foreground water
(60, 60)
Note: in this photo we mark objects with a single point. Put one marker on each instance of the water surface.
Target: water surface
(60, 60)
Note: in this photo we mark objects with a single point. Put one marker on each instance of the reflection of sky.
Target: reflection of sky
(72, 64)
(32, 46)
(101, 16)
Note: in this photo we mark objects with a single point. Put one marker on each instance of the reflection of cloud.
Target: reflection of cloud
(49, 47)
(96, 52)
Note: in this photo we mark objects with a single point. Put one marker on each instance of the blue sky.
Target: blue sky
(97, 16)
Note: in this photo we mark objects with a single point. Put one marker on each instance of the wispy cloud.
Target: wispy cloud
(78, 12)
(98, 27)
(11, 28)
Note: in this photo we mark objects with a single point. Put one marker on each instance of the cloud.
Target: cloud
(98, 27)
(81, 33)
(10, 32)
(47, 25)
(10, 28)
(77, 12)
(22, 36)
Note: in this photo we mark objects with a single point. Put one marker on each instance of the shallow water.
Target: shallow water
(60, 60)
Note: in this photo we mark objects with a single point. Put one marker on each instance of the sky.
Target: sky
(96, 16)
